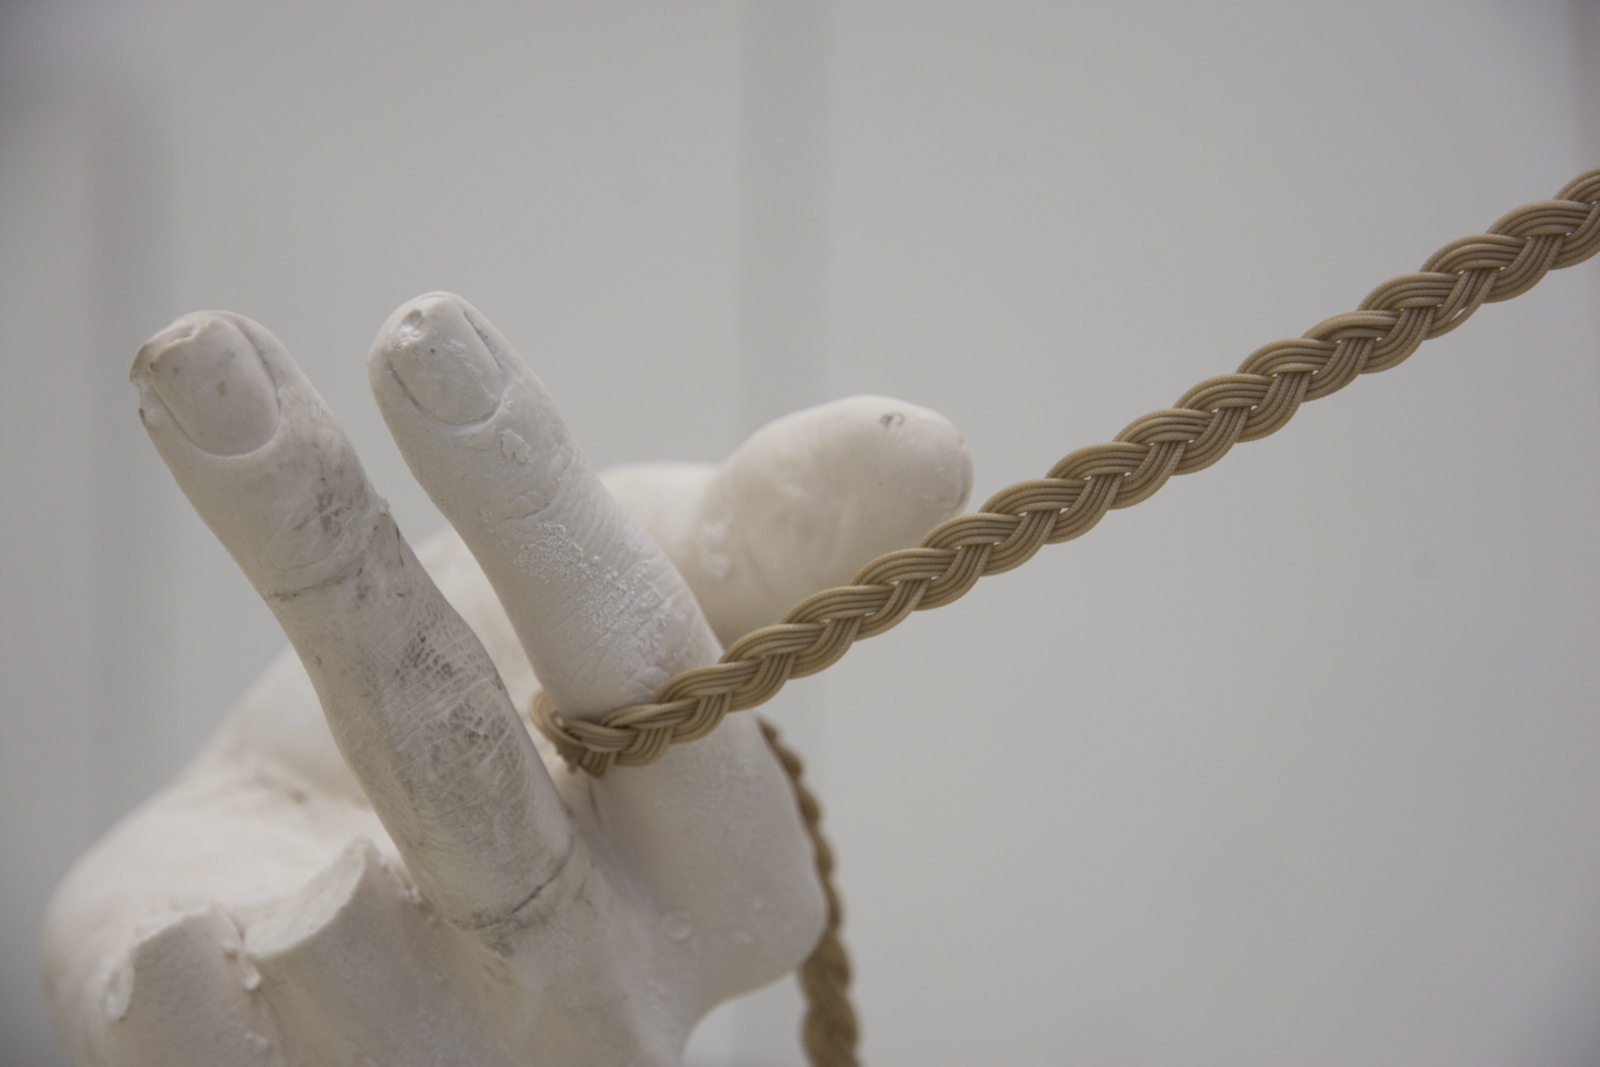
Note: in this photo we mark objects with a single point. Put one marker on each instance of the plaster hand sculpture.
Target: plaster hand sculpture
(374, 862)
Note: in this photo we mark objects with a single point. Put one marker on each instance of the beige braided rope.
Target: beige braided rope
(1257, 400)
(829, 1031)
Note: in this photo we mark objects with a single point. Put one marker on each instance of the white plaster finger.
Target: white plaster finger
(603, 615)
(409, 693)
(801, 506)
(711, 828)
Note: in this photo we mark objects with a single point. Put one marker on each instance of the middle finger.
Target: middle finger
(600, 610)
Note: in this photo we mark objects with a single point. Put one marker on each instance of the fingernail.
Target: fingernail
(212, 380)
(443, 363)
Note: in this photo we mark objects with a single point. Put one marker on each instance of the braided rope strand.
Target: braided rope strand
(1257, 400)
(830, 1029)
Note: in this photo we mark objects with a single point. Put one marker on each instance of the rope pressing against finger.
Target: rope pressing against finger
(1257, 400)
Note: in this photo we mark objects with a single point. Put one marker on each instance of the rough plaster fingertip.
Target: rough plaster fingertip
(212, 381)
(442, 363)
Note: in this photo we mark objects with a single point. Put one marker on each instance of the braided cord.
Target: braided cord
(1257, 400)
(830, 1029)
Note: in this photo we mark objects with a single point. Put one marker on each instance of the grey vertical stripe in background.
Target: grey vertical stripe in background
(783, 216)
(783, 229)
(140, 736)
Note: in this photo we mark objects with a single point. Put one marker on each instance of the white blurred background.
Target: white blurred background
(1297, 763)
